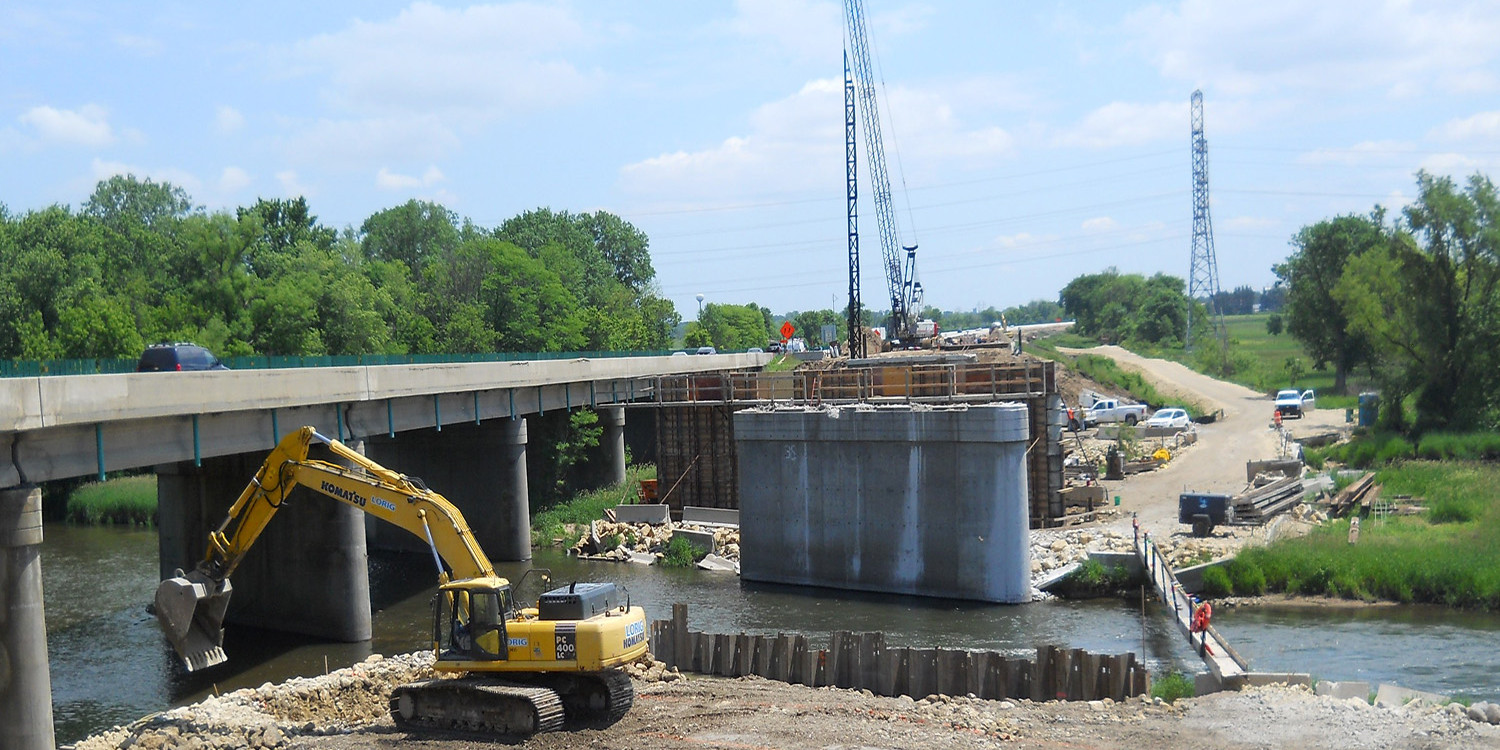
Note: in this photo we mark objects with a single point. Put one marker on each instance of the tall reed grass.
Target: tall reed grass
(1450, 555)
(127, 501)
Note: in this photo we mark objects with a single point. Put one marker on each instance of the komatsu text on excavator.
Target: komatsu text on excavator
(509, 671)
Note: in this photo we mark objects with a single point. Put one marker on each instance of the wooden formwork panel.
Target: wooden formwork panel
(695, 452)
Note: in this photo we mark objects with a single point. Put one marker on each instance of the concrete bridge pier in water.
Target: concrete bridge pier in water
(25, 685)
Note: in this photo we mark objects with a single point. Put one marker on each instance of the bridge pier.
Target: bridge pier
(480, 468)
(25, 685)
(611, 446)
(306, 574)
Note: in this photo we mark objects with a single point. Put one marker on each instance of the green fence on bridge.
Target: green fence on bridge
(36, 368)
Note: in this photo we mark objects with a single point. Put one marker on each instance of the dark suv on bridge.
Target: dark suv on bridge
(177, 358)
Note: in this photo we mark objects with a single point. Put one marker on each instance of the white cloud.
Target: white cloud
(793, 144)
(1100, 224)
(482, 61)
(388, 180)
(228, 120)
(352, 144)
(144, 46)
(806, 28)
(87, 126)
(1482, 126)
(291, 185)
(102, 169)
(1458, 166)
(1128, 124)
(232, 180)
(1023, 240)
(1401, 47)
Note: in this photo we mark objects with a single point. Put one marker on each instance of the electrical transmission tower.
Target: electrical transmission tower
(1203, 276)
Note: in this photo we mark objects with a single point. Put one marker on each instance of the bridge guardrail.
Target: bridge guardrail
(46, 367)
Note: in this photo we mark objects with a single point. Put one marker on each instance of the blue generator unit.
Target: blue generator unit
(1204, 510)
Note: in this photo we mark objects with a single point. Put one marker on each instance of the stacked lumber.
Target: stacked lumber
(1355, 494)
(1262, 503)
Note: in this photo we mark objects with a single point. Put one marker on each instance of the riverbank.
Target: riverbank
(347, 709)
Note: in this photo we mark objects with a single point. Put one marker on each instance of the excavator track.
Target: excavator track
(478, 707)
(599, 698)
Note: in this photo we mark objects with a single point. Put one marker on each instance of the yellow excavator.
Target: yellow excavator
(511, 671)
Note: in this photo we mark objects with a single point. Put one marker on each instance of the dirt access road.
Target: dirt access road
(1244, 432)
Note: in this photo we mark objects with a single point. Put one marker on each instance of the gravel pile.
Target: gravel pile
(273, 716)
(1286, 716)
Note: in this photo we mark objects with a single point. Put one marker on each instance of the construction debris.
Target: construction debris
(635, 542)
(1355, 494)
(1261, 504)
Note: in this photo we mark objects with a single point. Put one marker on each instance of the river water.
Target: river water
(110, 665)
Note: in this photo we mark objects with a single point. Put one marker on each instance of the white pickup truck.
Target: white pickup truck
(1106, 410)
(1292, 402)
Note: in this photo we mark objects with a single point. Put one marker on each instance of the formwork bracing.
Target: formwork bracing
(694, 418)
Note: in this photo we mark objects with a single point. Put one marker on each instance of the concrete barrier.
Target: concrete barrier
(1344, 690)
(703, 540)
(655, 513)
(710, 516)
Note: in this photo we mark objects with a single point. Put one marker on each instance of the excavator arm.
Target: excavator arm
(190, 606)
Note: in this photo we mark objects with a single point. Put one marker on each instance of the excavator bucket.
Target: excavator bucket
(190, 609)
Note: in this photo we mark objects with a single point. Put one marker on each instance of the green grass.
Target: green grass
(548, 524)
(783, 363)
(680, 553)
(1260, 363)
(127, 501)
(1449, 555)
(1092, 578)
(1107, 372)
(1172, 686)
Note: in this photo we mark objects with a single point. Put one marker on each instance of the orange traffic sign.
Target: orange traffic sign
(787, 329)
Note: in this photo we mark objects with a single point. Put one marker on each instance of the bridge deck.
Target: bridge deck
(1222, 661)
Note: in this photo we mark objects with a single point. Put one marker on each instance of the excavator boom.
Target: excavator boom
(190, 606)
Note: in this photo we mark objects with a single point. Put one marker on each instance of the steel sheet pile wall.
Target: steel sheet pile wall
(930, 501)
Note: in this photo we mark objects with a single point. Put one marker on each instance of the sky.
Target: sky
(1027, 143)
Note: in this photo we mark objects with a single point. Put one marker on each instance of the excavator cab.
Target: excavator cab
(469, 621)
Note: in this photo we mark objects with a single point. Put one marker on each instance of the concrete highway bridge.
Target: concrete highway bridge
(460, 426)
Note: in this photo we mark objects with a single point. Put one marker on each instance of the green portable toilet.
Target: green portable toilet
(1369, 408)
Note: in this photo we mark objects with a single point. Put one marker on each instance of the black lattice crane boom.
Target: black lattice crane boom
(901, 279)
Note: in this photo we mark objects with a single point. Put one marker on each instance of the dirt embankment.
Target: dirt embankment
(347, 709)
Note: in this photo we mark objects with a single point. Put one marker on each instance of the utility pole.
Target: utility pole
(1203, 274)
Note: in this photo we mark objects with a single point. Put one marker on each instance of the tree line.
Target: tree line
(139, 264)
(1411, 299)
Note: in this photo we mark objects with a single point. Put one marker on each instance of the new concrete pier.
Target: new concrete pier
(917, 500)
